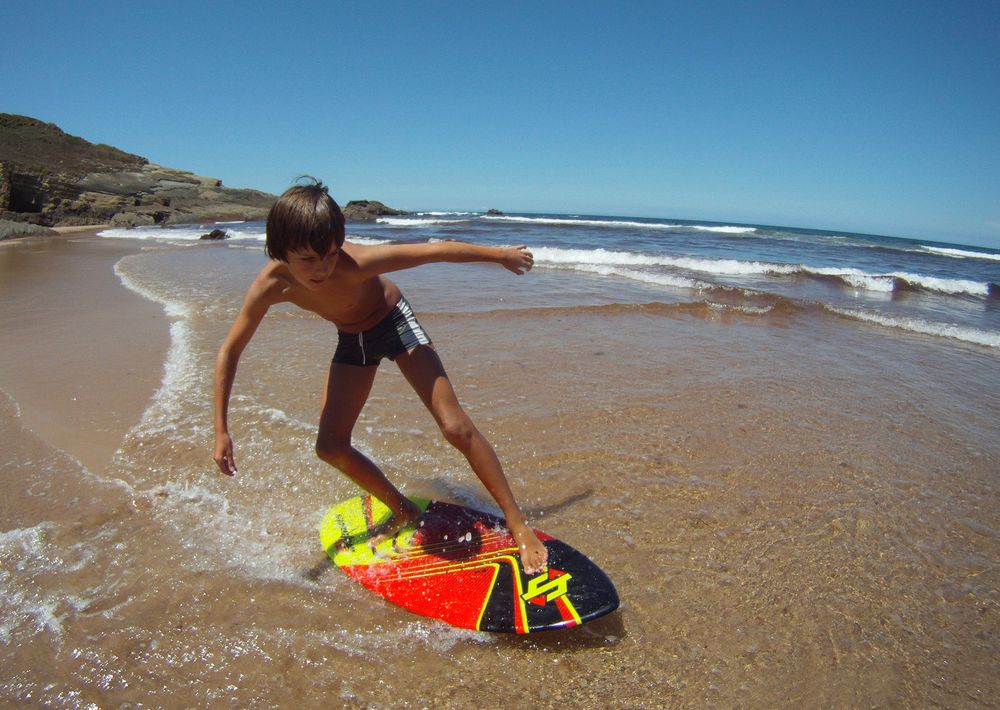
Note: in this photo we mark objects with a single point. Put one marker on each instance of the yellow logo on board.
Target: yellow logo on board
(546, 587)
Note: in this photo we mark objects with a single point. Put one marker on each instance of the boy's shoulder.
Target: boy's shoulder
(271, 283)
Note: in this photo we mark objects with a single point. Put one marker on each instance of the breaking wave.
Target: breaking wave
(610, 223)
(591, 260)
(962, 253)
(924, 327)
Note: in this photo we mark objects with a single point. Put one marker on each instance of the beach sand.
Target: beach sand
(82, 354)
(796, 511)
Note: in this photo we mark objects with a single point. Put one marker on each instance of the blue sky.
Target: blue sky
(877, 117)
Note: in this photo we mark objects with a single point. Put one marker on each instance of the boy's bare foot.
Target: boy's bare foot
(387, 530)
(534, 555)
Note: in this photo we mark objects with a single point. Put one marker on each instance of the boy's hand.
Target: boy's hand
(517, 259)
(224, 454)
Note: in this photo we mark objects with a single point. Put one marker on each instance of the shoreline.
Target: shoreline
(83, 353)
(92, 230)
(74, 230)
(83, 229)
(79, 229)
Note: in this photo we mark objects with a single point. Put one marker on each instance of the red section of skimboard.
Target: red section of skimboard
(432, 595)
(461, 566)
(448, 569)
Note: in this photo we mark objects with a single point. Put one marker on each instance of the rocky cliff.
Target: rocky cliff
(50, 178)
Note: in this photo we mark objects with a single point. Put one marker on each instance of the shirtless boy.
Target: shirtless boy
(314, 268)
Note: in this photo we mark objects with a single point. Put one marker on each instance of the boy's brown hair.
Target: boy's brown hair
(304, 216)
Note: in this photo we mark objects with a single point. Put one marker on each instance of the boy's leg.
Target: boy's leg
(423, 370)
(347, 390)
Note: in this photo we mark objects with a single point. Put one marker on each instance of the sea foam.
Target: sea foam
(177, 370)
(895, 281)
(27, 556)
(728, 267)
(962, 253)
(415, 221)
(619, 224)
(580, 222)
(917, 325)
(186, 233)
(586, 259)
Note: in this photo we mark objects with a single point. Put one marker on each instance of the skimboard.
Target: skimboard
(462, 566)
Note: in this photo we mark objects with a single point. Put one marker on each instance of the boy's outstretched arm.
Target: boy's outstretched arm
(396, 257)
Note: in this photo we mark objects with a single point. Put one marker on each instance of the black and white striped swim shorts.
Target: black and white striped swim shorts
(398, 332)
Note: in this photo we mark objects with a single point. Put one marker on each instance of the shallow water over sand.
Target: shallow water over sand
(797, 509)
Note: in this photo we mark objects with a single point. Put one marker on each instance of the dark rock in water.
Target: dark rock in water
(494, 213)
(368, 211)
(52, 178)
(129, 220)
(215, 234)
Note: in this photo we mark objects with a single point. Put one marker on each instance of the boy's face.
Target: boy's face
(311, 269)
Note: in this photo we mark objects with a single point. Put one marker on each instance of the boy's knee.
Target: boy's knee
(333, 452)
(459, 432)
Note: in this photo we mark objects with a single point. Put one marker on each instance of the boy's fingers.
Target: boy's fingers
(226, 465)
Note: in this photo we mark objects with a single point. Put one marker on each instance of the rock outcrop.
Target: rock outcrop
(368, 211)
(10, 229)
(50, 178)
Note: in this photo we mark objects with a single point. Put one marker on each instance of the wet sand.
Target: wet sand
(82, 354)
(796, 510)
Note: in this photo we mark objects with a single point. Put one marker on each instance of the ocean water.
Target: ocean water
(926, 287)
(781, 445)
